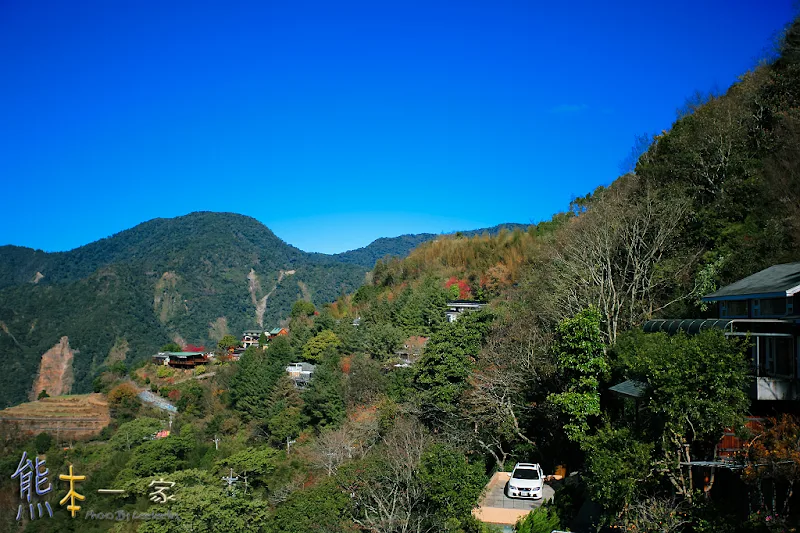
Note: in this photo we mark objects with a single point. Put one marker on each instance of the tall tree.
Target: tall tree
(324, 399)
(580, 353)
(618, 257)
(252, 384)
(696, 389)
(442, 372)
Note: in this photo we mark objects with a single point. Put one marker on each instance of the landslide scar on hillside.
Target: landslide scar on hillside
(55, 371)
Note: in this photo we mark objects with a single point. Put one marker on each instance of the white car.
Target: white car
(527, 480)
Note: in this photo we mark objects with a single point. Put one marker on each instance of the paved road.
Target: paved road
(150, 398)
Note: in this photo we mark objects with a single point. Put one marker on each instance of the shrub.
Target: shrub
(541, 520)
(42, 442)
(124, 399)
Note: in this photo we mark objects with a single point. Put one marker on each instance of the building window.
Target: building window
(772, 307)
(775, 356)
(735, 308)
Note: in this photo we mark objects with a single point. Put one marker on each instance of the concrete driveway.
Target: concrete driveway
(496, 508)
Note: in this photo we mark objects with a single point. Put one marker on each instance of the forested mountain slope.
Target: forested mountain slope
(191, 279)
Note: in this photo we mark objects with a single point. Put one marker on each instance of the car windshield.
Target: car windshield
(526, 473)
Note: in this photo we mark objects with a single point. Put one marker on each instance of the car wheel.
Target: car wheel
(505, 491)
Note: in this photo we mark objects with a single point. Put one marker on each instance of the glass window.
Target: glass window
(773, 307)
(735, 308)
(776, 356)
(526, 473)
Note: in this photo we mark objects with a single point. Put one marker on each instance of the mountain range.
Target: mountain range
(190, 279)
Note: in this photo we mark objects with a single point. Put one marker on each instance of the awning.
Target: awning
(688, 326)
(631, 387)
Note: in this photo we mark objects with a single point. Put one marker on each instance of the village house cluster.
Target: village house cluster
(301, 372)
(190, 360)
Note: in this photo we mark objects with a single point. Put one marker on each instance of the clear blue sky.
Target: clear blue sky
(335, 123)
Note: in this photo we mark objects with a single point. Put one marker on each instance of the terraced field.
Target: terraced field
(64, 417)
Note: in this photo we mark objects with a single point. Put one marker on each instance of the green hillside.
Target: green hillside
(191, 279)
(407, 415)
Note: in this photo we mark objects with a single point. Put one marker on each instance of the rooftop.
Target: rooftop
(631, 387)
(184, 354)
(774, 282)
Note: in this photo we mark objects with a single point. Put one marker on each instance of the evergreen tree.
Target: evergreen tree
(440, 375)
(252, 384)
(325, 405)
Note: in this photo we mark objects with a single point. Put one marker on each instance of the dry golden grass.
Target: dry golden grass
(74, 416)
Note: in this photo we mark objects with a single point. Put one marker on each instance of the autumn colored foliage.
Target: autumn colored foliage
(774, 456)
(124, 399)
(464, 290)
(194, 348)
(479, 266)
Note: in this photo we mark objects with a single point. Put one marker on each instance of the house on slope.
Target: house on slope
(250, 338)
(186, 359)
(456, 307)
(411, 350)
(762, 307)
(277, 332)
(300, 373)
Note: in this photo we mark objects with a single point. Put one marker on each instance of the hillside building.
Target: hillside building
(250, 338)
(180, 359)
(456, 307)
(300, 373)
(761, 307)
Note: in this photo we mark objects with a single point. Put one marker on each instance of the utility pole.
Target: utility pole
(216, 442)
(245, 483)
(230, 480)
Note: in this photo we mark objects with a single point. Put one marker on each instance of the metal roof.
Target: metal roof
(184, 354)
(631, 387)
(774, 282)
(688, 326)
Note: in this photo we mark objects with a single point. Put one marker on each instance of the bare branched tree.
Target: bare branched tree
(656, 514)
(782, 171)
(508, 368)
(353, 440)
(617, 258)
(388, 497)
